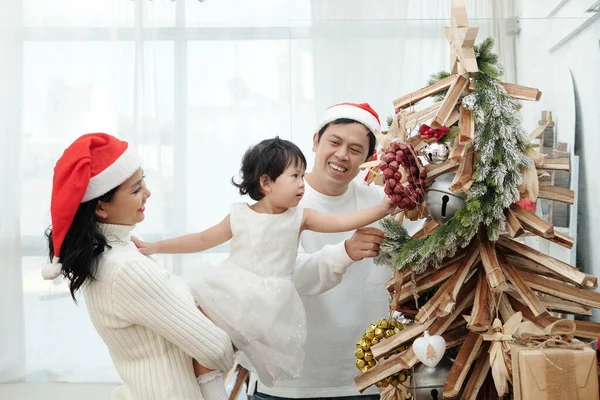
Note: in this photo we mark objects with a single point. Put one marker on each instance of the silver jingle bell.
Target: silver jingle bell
(436, 152)
(442, 203)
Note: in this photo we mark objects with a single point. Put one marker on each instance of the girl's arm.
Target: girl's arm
(328, 223)
(191, 243)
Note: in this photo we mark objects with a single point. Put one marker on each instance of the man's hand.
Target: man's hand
(145, 248)
(364, 243)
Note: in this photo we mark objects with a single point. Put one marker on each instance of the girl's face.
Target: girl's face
(287, 190)
(128, 204)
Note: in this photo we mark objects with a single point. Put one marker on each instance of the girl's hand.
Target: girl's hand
(387, 206)
(145, 248)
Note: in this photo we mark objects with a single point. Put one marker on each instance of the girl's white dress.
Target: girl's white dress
(252, 296)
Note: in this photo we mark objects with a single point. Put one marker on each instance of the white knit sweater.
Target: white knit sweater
(151, 325)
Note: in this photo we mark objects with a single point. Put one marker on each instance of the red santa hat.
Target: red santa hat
(91, 166)
(360, 112)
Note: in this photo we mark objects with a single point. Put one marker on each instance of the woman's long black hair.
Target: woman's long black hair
(83, 244)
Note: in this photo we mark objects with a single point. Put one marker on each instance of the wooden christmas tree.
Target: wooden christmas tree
(480, 274)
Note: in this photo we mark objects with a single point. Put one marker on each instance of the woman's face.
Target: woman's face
(128, 204)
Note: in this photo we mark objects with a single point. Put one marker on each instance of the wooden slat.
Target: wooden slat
(480, 372)
(428, 228)
(458, 373)
(480, 320)
(556, 164)
(467, 126)
(450, 101)
(464, 177)
(427, 282)
(563, 269)
(513, 275)
(557, 194)
(532, 222)
(561, 290)
(390, 345)
(518, 91)
(513, 226)
(487, 251)
(563, 240)
(435, 170)
(522, 92)
(415, 97)
(458, 279)
(413, 118)
(561, 305)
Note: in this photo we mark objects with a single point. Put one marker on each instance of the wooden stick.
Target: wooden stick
(563, 240)
(532, 222)
(435, 170)
(467, 126)
(480, 372)
(480, 320)
(464, 177)
(449, 297)
(562, 290)
(411, 119)
(487, 251)
(382, 370)
(455, 337)
(414, 97)
(587, 329)
(453, 118)
(385, 348)
(450, 100)
(556, 164)
(504, 308)
(466, 296)
(518, 91)
(522, 92)
(532, 266)
(563, 269)
(428, 228)
(561, 305)
(462, 365)
(427, 282)
(524, 291)
(557, 194)
(542, 321)
(513, 226)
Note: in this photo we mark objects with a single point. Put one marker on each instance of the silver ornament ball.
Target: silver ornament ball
(436, 152)
(442, 203)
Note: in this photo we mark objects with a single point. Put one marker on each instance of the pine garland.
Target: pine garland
(500, 144)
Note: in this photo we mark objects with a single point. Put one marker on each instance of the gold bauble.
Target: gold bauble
(369, 335)
(365, 344)
(383, 324)
(374, 341)
(378, 333)
(360, 364)
(388, 333)
(368, 356)
(360, 353)
(372, 363)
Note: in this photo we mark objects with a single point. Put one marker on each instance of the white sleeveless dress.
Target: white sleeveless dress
(252, 297)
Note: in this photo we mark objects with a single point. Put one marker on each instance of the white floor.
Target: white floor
(55, 391)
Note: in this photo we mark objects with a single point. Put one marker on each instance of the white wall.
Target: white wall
(570, 80)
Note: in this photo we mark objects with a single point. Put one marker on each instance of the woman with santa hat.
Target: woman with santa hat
(145, 315)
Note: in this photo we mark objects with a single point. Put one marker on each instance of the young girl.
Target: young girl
(251, 295)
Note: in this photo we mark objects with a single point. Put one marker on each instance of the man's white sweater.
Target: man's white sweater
(337, 318)
(150, 323)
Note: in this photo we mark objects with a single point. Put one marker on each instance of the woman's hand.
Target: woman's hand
(387, 206)
(145, 248)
